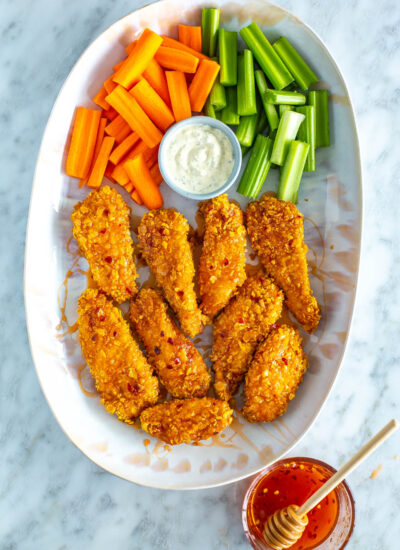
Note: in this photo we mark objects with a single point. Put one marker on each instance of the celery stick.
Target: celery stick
(246, 131)
(246, 88)
(227, 41)
(217, 94)
(229, 113)
(287, 131)
(320, 100)
(269, 60)
(307, 133)
(244, 150)
(292, 171)
(209, 30)
(209, 109)
(302, 73)
(283, 108)
(284, 98)
(270, 110)
(262, 121)
(257, 168)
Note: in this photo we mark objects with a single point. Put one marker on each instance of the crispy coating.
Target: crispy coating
(179, 365)
(101, 228)
(123, 376)
(277, 235)
(163, 235)
(223, 259)
(183, 421)
(274, 375)
(237, 331)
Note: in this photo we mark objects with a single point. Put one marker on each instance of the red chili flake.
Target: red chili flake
(162, 333)
(108, 259)
(157, 350)
(179, 405)
(106, 211)
(226, 261)
(102, 231)
(256, 299)
(290, 242)
(170, 367)
(103, 293)
(115, 333)
(177, 361)
(285, 360)
(170, 341)
(276, 326)
(161, 231)
(211, 267)
(102, 318)
(133, 389)
(180, 293)
(240, 320)
(158, 428)
(129, 291)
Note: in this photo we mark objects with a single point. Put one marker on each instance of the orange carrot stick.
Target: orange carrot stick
(179, 95)
(83, 142)
(124, 148)
(144, 51)
(171, 43)
(99, 141)
(119, 174)
(140, 176)
(202, 83)
(118, 65)
(109, 84)
(100, 165)
(190, 36)
(100, 98)
(108, 172)
(134, 116)
(118, 129)
(130, 47)
(155, 76)
(156, 174)
(152, 104)
(176, 60)
(109, 113)
(136, 198)
(129, 187)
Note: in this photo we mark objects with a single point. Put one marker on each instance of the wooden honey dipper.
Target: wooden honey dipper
(285, 527)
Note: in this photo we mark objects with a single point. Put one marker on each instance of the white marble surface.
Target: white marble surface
(51, 496)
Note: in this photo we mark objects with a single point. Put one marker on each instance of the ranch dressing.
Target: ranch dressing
(199, 158)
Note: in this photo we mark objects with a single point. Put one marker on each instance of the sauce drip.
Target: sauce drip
(294, 483)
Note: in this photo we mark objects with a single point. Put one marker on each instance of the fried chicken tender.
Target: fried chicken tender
(222, 260)
(274, 375)
(163, 235)
(243, 323)
(276, 234)
(123, 376)
(183, 421)
(101, 229)
(179, 365)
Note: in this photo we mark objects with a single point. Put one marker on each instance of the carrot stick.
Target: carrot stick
(109, 84)
(176, 60)
(202, 83)
(144, 51)
(156, 174)
(118, 65)
(100, 165)
(124, 148)
(190, 36)
(129, 187)
(130, 47)
(109, 113)
(119, 174)
(118, 129)
(155, 76)
(179, 95)
(108, 172)
(171, 43)
(100, 98)
(99, 141)
(83, 142)
(134, 116)
(152, 104)
(136, 198)
(140, 176)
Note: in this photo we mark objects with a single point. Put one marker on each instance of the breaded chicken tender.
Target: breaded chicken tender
(274, 375)
(179, 365)
(243, 323)
(163, 235)
(276, 234)
(101, 229)
(223, 259)
(122, 375)
(183, 421)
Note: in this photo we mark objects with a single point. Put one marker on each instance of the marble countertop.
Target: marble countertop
(51, 495)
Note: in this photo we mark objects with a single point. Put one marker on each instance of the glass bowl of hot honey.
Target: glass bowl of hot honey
(293, 481)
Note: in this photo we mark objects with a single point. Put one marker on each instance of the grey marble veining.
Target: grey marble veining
(51, 496)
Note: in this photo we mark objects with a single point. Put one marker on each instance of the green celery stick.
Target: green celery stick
(284, 98)
(209, 30)
(257, 168)
(320, 100)
(292, 171)
(307, 133)
(246, 131)
(244, 150)
(229, 113)
(270, 110)
(209, 109)
(246, 88)
(268, 59)
(227, 41)
(217, 95)
(283, 108)
(302, 73)
(262, 121)
(287, 131)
